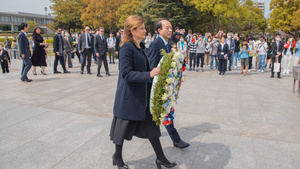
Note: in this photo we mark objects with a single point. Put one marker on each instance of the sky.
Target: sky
(30, 6)
(37, 6)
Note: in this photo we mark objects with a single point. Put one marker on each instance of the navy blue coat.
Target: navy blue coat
(134, 84)
(154, 52)
(24, 45)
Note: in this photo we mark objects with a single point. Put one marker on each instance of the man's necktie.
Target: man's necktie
(168, 48)
(88, 40)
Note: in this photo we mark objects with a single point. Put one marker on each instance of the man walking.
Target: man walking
(58, 48)
(24, 52)
(101, 49)
(277, 48)
(86, 48)
(164, 29)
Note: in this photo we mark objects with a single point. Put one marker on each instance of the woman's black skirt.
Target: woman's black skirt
(125, 129)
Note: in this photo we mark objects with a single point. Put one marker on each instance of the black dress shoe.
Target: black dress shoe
(81, 72)
(28, 80)
(124, 166)
(272, 76)
(99, 75)
(279, 77)
(89, 73)
(56, 72)
(181, 144)
(108, 74)
(165, 164)
(66, 71)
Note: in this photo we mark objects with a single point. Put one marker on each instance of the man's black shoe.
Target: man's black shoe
(56, 72)
(81, 72)
(279, 77)
(272, 76)
(66, 71)
(27, 80)
(108, 74)
(89, 73)
(181, 144)
(99, 75)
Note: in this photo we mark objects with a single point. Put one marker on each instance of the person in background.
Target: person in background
(222, 54)
(7, 45)
(236, 57)
(68, 48)
(200, 52)
(231, 45)
(148, 40)
(251, 47)
(277, 48)
(86, 49)
(213, 49)
(118, 41)
(39, 54)
(262, 49)
(182, 46)
(111, 43)
(24, 52)
(14, 47)
(297, 53)
(101, 49)
(4, 60)
(244, 53)
(58, 48)
(192, 49)
(288, 56)
(269, 55)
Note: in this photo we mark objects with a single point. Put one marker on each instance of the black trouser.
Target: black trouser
(222, 65)
(250, 63)
(192, 60)
(230, 60)
(273, 61)
(86, 55)
(100, 59)
(173, 132)
(200, 56)
(4, 66)
(61, 61)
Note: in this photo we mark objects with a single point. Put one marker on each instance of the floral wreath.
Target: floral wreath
(166, 86)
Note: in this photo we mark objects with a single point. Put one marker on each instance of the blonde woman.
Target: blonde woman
(131, 108)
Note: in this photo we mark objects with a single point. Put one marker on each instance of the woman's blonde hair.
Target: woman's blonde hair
(132, 22)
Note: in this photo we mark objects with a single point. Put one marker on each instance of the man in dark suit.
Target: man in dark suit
(86, 48)
(277, 48)
(4, 59)
(24, 52)
(101, 49)
(164, 29)
(58, 48)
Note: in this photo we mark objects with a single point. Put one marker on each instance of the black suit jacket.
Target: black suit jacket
(56, 43)
(24, 45)
(82, 42)
(154, 54)
(101, 45)
(225, 50)
(274, 48)
(134, 84)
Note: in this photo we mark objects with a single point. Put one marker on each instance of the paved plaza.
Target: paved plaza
(62, 121)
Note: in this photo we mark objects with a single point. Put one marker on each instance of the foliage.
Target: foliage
(130, 7)
(285, 16)
(101, 13)
(68, 13)
(31, 26)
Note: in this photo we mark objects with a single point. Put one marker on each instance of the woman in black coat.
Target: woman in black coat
(39, 54)
(222, 55)
(131, 108)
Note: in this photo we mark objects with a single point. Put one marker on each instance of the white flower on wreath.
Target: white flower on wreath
(173, 64)
(165, 96)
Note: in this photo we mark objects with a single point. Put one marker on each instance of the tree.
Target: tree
(130, 7)
(101, 13)
(284, 16)
(179, 14)
(31, 25)
(68, 13)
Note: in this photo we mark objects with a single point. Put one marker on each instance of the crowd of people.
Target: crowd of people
(222, 51)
